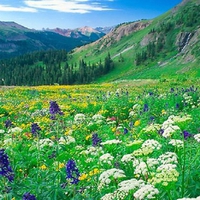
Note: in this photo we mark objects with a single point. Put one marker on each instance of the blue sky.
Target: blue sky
(72, 14)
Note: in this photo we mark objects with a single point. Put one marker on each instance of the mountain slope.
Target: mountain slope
(17, 40)
(167, 46)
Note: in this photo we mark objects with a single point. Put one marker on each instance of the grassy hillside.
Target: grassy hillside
(176, 31)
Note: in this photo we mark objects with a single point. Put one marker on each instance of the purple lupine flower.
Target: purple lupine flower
(177, 106)
(54, 109)
(125, 130)
(151, 119)
(8, 123)
(96, 140)
(161, 131)
(28, 196)
(72, 171)
(5, 168)
(146, 108)
(186, 134)
(35, 129)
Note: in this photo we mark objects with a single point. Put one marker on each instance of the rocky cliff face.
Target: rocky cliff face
(123, 30)
(183, 40)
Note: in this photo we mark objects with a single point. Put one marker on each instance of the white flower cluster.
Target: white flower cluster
(2, 131)
(180, 118)
(168, 158)
(147, 191)
(152, 162)
(147, 148)
(46, 142)
(197, 198)
(15, 130)
(39, 113)
(165, 174)
(197, 137)
(143, 151)
(107, 176)
(66, 140)
(135, 110)
(142, 191)
(98, 118)
(94, 151)
(131, 184)
(154, 144)
(176, 143)
(169, 128)
(111, 142)
(152, 128)
(8, 142)
(108, 196)
(198, 102)
(106, 158)
(79, 118)
(188, 100)
(127, 158)
(141, 169)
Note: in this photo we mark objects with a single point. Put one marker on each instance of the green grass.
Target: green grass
(120, 126)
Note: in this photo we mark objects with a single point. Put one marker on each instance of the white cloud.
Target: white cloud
(7, 8)
(71, 6)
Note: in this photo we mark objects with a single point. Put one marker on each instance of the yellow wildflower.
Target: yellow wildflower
(94, 171)
(113, 129)
(60, 165)
(68, 132)
(137, 123)
(88, 137)
(83, 177)
(53, 137)
(43, 167)
(163, 112)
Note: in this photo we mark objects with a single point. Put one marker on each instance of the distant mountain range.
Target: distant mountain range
(166, 47)
(16, 39)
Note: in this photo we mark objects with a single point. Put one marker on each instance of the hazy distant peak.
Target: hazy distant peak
(12, 25)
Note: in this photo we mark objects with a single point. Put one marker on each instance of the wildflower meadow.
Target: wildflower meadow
(117, 141)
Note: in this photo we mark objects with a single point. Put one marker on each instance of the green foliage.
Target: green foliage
(50, 67)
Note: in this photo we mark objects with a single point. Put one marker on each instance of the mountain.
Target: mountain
(84, 33)
(166, 47)
(104, 29)
(17, 40)
(163, 47)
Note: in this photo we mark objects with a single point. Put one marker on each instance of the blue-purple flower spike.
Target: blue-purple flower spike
(54, 109)
(186, 134)
(8, 123)
(72, 172)
(146, 108)
(35, 129)
(95, 140)
(5, 168)
(28, 196)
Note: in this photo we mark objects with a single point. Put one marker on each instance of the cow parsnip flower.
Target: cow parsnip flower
(176, 143)
(106, 158)
(152, 144)
(197, 137)
(146, 192)
(107, 176)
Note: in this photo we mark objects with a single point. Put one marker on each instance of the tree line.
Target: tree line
(50, 67)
